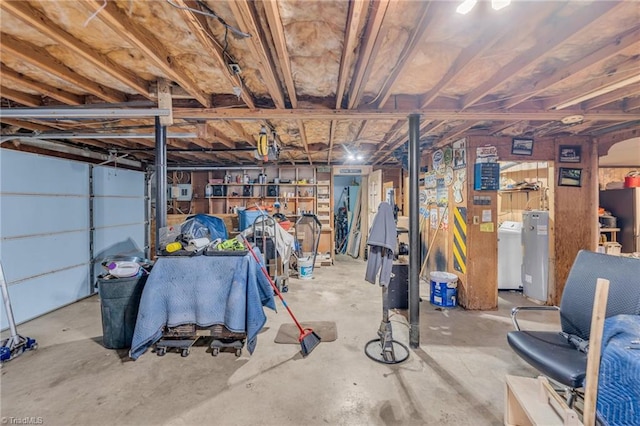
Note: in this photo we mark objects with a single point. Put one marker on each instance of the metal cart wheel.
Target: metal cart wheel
(215, 351)
(161, 351)
(238, 352)
(185, 353)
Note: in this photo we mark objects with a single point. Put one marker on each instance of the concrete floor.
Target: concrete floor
(455, 377)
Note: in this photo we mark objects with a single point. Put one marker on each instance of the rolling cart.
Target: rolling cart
(181, 338)
(265, 237)
(223, 338)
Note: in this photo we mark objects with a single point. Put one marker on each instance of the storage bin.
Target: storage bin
(119, 301)
(246, 218)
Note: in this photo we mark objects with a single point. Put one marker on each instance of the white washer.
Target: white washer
(510, 256)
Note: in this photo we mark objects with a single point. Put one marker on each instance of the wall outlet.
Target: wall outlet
(476, 220)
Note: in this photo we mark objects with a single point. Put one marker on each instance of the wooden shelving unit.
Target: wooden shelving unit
(222, 191)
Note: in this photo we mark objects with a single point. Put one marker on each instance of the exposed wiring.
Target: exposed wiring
(90, 18)
(211, 14)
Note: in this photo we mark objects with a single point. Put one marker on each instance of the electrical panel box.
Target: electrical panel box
(181, 192)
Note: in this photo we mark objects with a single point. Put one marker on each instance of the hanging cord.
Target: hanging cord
(211, 14)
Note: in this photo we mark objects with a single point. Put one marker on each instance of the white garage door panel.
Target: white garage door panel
(36, 214)
(117, 182)
(23, 172)
(112, 211)
(43, 294)
(28, 257)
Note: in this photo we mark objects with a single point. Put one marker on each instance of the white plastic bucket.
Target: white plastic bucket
(444, 289)
(305, 264)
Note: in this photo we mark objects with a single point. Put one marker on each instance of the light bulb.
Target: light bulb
(466, 6)
(499, 4)
(359, 157)
(351, 157)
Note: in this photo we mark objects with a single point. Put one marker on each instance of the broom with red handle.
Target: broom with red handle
(308, 338)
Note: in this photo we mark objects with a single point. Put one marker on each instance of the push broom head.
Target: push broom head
(308, 341)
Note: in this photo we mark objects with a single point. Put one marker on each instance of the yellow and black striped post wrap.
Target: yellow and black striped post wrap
(460, 239)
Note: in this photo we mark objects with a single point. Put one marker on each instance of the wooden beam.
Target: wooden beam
(551, 35)
(242, 134)
(423, 27)
(372, 41)
(165, 101)
(525, 18)
(198, 25)
(631, 104)
(391, 134)
(53, 92)
(616, 95)
(42, 59)
(279, 39)
(26, 124)
(356, 11)
(246, 18)
(428, 127)
(458, 131)
(20, 97)
(626, 41)
(303, 137)
(332, 138)
(398, 114)
(220, 138)
(623, 75)
(150, 46)
(39, 21)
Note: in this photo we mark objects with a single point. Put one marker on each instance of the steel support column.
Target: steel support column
(414, 231)
(161, 180)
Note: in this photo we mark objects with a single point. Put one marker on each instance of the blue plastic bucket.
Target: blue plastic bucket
(305, 264)
(444, 289)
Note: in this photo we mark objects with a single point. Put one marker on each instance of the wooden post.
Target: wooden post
(593, 357)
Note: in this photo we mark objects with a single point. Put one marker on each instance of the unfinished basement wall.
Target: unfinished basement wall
(469, 248)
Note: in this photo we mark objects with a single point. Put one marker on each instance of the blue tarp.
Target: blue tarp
(202, 290)
(202, 225)
(619, 377)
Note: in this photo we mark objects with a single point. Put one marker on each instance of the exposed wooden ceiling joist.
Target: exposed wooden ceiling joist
(551, 35)
(20, 97)
(631, 104)
(303, 138)
(493, 31)
(42, 59)
(365, 114)
(356, 11)
(279, 39)
(245, 15)
(627, 41)
(242, 134)
(52, 92)
(198, 25)
(36, 19)
(372, 41)
(625, 75)
(614, 96)
(427, 127)
(149, 45)
(428, 15)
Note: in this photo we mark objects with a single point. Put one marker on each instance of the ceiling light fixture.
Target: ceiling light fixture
(499, 4)
(466, 6)
(572, 119)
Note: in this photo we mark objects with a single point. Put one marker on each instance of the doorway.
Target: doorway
(346, 195)
(525, 224)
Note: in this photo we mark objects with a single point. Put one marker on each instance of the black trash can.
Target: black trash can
(119, 301)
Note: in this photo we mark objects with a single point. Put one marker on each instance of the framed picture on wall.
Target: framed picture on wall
(520, 146)
(570, 153)
(460, 154)
(569, 177)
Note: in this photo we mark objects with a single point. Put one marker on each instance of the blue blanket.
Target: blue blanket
(619, 378)
(202, 290)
